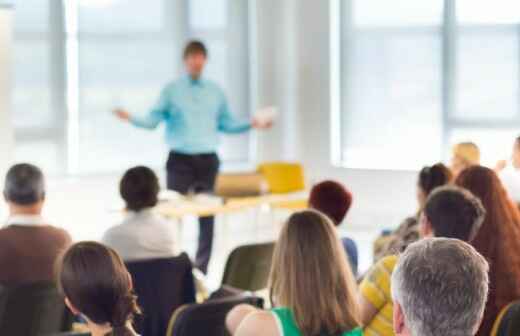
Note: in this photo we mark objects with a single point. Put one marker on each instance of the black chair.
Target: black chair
(209, 318)
(162, 286)
(33, 310)
(508, 321)
(248, 267)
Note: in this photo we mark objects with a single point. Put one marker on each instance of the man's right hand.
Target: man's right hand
(122, 114)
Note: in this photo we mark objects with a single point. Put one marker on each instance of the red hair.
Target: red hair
(332, 199)
(498, 240)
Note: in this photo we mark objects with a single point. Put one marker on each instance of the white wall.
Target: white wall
(293, 44)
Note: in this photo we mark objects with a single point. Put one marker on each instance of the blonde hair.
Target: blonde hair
(468, 152)
(311, 277)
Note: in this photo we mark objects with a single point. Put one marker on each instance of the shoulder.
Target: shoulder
(389, 262)
(259, 323)
(112, 232)
(349, 243)
(58, 232)
(171, 86)
(380, 273)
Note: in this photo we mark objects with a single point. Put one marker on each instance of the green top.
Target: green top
(289, 328)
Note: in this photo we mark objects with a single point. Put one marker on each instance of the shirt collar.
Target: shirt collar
(196, 82)
(143, 213)
(25, 220)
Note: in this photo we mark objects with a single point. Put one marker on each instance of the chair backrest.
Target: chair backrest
(209, 318)
(247, 267)
(161, 285)
(33, 310)
(508, 321)
(283, 177)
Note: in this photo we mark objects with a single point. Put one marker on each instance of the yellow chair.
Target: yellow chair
(508, 321)
(283, 177)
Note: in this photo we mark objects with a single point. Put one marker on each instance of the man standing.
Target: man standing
(195, 110)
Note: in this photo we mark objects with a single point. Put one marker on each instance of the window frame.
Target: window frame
(341, 27)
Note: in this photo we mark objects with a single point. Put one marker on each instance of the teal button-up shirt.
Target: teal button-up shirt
(194, 111)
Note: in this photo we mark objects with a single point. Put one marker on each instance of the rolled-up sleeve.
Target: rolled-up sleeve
(227, 123)
(157, 113)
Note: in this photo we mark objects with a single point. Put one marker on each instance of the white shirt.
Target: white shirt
(142, 235)
(511, 179)
(25, 220)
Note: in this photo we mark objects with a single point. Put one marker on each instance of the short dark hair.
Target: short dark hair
(24, 184)
(139, 187)
(195, 47)
(454, 212)
(332, 199)
(431, 177)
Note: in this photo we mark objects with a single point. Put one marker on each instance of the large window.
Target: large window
(418, 76)
(77, 60)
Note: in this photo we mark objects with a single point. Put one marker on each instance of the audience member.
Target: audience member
(28, 245)
(143, 234)
(98, 288)
(509, 172)
(312, 286)
(334, 200)
(449, 212)
(429, 178)
(434, 294)
(498, 240)
(464, 155)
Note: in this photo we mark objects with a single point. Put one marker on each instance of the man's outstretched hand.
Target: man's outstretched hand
(122, 114)
(261, 125)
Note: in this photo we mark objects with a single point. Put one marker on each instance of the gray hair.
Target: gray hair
(24, 184)
(441, 285)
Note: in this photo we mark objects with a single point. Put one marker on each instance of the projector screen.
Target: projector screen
(6, 129)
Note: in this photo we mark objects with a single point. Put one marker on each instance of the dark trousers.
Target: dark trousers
(195, 174)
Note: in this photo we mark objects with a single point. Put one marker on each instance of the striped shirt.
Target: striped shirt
(375, 288)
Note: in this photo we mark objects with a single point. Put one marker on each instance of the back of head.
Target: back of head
(96, 282)
(310, 276)
(332, 199)
(454, 212)
(139, 187)
(24, 185)
(431, 177)
(441, 285)
(467, 152)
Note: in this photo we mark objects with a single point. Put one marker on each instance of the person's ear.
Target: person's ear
(425, 227)
(73, 309)
(399, 325)
(130, 280)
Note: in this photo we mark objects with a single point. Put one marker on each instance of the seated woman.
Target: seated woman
(430, 177)
(98, 288)
(464, 155)
(142, 234)
(334, 200)
(312, 286)
(498, 240)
